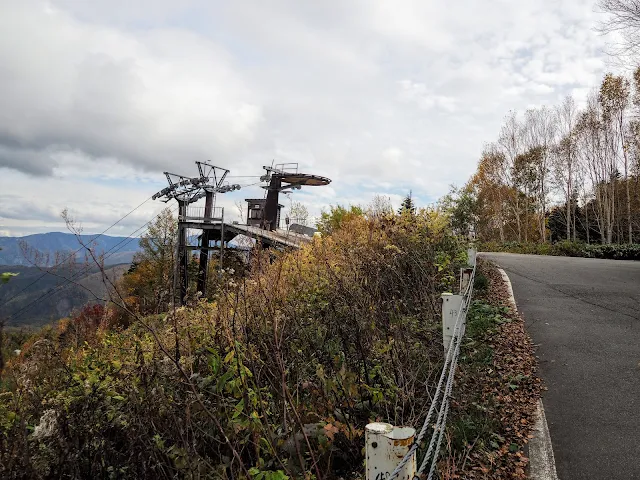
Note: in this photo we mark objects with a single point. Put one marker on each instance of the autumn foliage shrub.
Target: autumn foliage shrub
(275, 379)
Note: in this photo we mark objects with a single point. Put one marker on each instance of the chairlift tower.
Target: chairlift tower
(210, 181)
(213, 180)
(187, 190)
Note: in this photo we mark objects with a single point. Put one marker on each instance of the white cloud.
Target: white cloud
(420, 94)
(99, 98)
(150, 99)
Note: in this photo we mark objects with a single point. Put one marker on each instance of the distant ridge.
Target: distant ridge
(49, 243)
(37, 296)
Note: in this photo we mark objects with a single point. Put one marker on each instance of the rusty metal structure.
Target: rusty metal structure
(187, 190)
(282, 178)
(211, 180)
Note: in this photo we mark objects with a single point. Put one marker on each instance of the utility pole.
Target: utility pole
(271, 205)
(185, 190)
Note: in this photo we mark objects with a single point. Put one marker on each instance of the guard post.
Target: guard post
(385, 447)
(472, 253)
(451, 305)
(465, 278)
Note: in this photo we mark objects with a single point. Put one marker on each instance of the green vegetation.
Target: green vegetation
(275, 377)
(568, 249)
(480, 282)
(561, 173)
(407, 207)
(147, 287)
(6, 276)
(332, 220)
(276, 373)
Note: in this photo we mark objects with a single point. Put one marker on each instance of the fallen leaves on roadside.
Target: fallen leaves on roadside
(505, 389)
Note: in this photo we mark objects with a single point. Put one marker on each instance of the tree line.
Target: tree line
(561, 172)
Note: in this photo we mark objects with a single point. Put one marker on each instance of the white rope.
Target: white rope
(448, 373)
(441, 420)
(434, 402)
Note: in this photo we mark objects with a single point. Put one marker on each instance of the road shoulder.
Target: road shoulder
(542, 464)
(497, 388)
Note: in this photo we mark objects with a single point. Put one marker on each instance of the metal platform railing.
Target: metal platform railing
(290, 167)
(197, 214)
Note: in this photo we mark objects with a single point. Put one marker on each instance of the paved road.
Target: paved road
(584, 315)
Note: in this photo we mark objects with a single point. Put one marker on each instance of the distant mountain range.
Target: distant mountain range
(46, 248)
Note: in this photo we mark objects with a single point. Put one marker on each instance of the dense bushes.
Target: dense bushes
(276, 378)
(617, 252)
(568, 249)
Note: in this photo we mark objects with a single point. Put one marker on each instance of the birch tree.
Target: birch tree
(539, 133)
(614, 98)
(564, 166)
(623, 19)
(510, 143)
(595, 139)
(491, 190)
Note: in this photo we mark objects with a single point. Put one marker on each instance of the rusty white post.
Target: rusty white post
(471, 256)
(465, 278)
(450, 307)
(385, 447)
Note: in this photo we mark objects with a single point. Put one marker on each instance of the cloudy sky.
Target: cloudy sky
(98, 98)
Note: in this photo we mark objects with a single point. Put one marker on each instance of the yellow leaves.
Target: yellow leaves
(229, 356)
(392, 248)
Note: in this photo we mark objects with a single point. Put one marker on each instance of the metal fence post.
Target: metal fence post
(385, 447)
(450, 307)
(465, 277)
(471, 255)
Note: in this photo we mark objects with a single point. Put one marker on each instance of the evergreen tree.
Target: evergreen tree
(407, 205)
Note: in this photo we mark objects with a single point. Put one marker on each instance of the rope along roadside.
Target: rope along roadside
(441, 397)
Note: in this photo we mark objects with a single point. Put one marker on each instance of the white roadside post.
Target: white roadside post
(465, 278)
(471, 255)
(385, 447)
(451, 305)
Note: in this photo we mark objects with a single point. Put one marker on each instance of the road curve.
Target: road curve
(584, 317)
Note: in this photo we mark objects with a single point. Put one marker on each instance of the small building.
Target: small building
(255, 212)
(302, 229)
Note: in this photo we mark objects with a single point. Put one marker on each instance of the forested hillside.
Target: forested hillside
(36, 296)
(48, 249)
